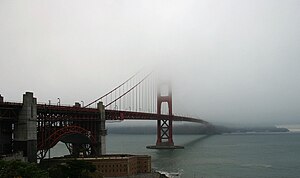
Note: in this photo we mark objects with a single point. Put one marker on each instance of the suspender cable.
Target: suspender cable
(113, 89)
(129, 89)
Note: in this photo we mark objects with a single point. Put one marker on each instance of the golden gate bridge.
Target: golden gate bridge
(35, 128)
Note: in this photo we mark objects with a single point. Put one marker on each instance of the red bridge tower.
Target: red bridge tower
(164, 126)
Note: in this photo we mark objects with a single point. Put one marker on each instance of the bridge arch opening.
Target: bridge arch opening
(77, 139)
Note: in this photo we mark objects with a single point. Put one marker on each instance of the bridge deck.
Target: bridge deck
(93, 113)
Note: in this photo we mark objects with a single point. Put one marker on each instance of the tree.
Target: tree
(9, 169)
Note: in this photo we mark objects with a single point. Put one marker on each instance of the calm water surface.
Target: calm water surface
(234, 156)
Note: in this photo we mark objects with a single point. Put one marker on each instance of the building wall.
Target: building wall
(126, 165)
(114, 165)
(144, 164)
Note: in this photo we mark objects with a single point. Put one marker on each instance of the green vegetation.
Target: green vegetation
(70, 169)
(9, 169)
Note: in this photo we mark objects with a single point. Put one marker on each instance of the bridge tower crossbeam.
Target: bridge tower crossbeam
(164, 126)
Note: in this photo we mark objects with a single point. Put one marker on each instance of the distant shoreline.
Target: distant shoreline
(192, 130)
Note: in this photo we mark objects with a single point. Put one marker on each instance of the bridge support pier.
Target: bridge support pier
(25, 130)
(100, 148)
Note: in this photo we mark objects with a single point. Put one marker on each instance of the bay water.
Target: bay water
(259, 155)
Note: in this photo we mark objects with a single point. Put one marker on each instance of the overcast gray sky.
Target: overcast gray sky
(232, 61)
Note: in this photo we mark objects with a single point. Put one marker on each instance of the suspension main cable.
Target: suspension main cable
(112, 90)
(129, 90)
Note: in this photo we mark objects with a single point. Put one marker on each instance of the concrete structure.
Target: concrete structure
(21, 125)
(101, 138)
(115, 165)
(25, 129)
(100, 147)
(33, 128)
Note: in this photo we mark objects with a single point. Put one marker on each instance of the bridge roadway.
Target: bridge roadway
(34, 128)
(10, 110)
(55, 123)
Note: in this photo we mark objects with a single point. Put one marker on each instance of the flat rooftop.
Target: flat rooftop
(102, 157)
